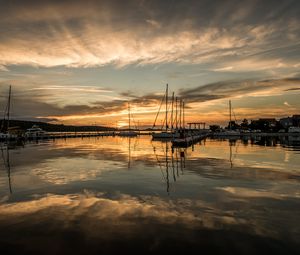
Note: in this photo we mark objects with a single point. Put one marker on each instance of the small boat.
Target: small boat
(294, 130)
(35, 132)
(4, 136)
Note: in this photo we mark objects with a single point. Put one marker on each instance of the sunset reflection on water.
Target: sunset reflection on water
(133, 194)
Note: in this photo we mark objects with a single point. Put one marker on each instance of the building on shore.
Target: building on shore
(293, 121)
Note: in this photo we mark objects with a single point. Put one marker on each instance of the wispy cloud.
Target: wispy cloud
(230, 89)
(110, 32)
(247, 47)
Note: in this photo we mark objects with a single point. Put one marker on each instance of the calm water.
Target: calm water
(110, 195)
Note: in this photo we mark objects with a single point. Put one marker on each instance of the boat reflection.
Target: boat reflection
(170, 161)
(105, 192)
(6, 163)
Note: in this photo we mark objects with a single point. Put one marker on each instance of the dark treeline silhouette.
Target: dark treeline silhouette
(55, 127)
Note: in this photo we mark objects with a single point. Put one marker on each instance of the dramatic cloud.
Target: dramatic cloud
(81, 61)
(43, 102)
(97, 33)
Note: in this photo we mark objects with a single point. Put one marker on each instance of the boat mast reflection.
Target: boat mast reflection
(169, 163)
(232, 143)
(6, 163)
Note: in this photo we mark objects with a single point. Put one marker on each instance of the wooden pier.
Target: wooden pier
(57, 135)
(188, 140)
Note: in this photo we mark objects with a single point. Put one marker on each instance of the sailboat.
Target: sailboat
(167, 133)
(5, 134)
(229, 131)
(128, 132)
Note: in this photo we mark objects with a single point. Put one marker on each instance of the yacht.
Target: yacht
(34, 132)
(4, 136)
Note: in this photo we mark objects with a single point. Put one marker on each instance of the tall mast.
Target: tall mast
(229, 114)
(129, 114)
(180, 103)
(172, 108)
(176, 120)
(167, 108)
(8, 107)
(183, 114)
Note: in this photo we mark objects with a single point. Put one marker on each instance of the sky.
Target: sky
(81, 62)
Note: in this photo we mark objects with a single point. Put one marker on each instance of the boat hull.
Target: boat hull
(164, 135)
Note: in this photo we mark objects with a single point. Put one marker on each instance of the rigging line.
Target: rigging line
(154, 151)
(164, 121)
(133, 120)
(234, 115)
(4, 118)
(163, 99)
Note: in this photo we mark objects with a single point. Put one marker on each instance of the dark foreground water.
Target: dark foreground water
(120, 195)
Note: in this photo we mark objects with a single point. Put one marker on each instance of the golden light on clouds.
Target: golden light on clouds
(82, 65)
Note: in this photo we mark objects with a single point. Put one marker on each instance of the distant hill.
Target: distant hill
(55, 127)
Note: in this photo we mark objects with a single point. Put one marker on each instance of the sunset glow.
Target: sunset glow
(83, 66)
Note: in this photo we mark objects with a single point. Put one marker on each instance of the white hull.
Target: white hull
(7, 136)
(294, 130)
(3, 136)
(34, 135)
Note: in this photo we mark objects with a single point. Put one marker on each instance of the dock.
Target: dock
(255, 134)
(188, 140)
(57, 135)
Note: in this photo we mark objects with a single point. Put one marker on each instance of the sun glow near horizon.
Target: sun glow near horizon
(83, 65)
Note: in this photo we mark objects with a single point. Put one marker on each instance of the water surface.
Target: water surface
(117, 194)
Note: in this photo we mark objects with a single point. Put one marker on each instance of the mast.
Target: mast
(167, 108)
(183, 114)
(129, 115)
(8, 107)
(172, 109)
(176, 120)
(229, 114)
(180, 103)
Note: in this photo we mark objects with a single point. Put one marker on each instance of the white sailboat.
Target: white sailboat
(128, 132)
(168, 133)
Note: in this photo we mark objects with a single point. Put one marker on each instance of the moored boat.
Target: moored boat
(294, 130)
(35, 132)
(128, 132)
